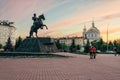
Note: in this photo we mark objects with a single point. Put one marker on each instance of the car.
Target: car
(110, 51)
(1, 50)
(98, 51)
(79, 51)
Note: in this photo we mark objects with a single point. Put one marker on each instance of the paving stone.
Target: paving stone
(78, 67)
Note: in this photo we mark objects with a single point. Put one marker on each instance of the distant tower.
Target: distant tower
(84, 35)
(93, 24)
(84, 32)
(93, 33)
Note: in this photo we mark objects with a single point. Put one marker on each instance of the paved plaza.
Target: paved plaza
(77, 67)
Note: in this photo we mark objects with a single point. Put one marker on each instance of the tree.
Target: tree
(73, 47)
(110, 45)
(18, 42)
(78, 47)
(1, 46)
(115, 43)
(59, 46)
(8, 46)
(103, 47)
(86, 48)
(64, 47)
(99, 44)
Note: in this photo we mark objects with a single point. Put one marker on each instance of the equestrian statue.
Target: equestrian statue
(37, 23)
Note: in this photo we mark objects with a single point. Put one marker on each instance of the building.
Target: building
(91, 34)
(68, 40)
(6, 31)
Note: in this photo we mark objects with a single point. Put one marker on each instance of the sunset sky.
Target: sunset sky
(64, 17)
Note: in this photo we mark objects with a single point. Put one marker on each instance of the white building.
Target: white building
(91, 34)
(68, 40)
(7, 31)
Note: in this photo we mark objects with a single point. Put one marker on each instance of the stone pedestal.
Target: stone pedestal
(40, 44)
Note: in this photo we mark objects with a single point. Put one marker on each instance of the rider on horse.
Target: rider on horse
(37, 23)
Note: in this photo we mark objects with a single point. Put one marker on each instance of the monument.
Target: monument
(35, 43)
(37, 23)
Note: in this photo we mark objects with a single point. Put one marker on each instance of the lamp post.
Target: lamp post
(107, 37)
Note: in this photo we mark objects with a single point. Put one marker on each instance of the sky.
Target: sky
(64, 17)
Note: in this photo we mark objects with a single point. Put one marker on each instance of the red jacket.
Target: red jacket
(94, 49)
(91, 49)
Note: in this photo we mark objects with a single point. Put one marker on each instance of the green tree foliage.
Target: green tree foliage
(64, 47)
(86, 48)
(1, 46)
(116, 44)
(98, 44)
(73, 46)
(59, 46)
(110, 45)
(8, 46)
(103, 47)
(78, 47)
(18, 42)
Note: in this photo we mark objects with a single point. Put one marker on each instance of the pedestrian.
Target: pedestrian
(91, 52)
(116, 51)
(94, 52)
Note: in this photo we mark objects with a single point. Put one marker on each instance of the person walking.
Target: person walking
(91, 52)
(94, 52)
(116, 51)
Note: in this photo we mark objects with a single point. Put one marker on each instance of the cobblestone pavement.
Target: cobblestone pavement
(79, 67)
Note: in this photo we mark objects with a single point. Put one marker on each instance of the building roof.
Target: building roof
(8, 26)
(93, 28)
(7, 23)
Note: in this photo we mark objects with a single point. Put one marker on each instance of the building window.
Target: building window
(88, 35)
(95, 35)
(91, 35)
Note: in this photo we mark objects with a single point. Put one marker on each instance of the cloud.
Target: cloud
(62, 15)
(111, 16)
(22, 8)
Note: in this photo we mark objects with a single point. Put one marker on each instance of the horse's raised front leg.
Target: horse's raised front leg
(30, 34)
(45, 26)
(36, 34)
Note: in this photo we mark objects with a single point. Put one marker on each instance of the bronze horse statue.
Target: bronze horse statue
(37, 24)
